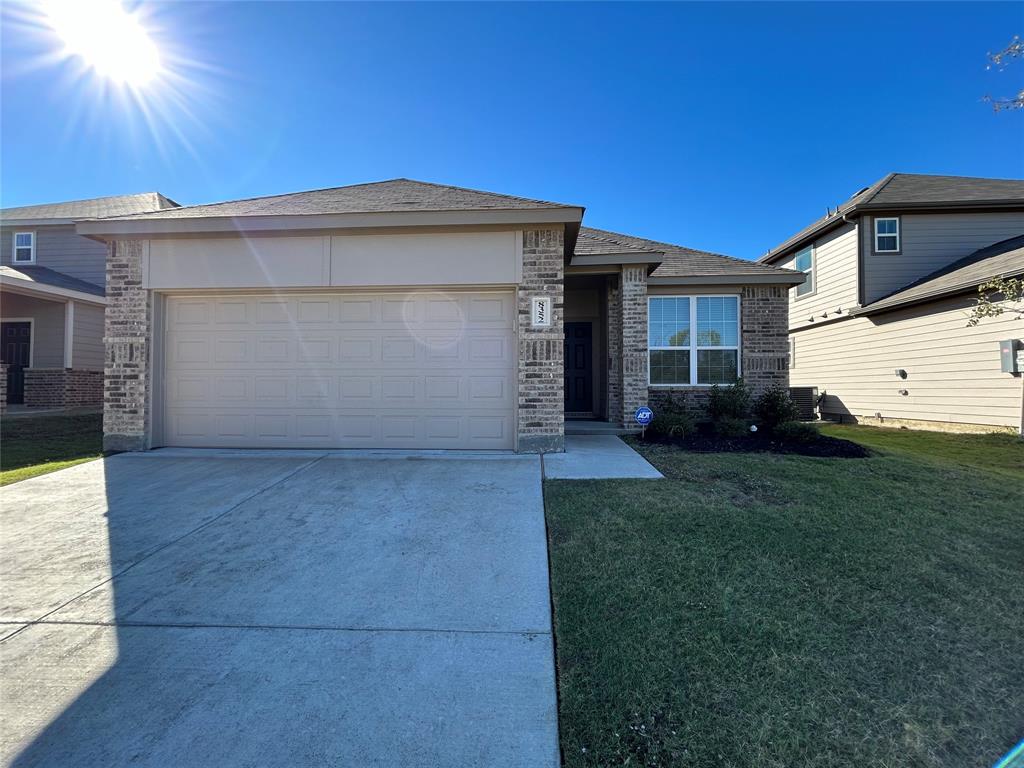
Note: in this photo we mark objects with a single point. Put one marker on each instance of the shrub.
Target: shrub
(672, 424)
(774, 407)
(732, 402)
(796, 432)
(730, 426)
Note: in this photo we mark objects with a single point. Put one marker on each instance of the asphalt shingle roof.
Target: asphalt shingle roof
(47, 276)
(377, 197)
(94, 208)
(677, 261)
(1002, 259)
(913, 190)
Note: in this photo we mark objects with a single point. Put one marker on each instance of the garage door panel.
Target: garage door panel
(348, 371)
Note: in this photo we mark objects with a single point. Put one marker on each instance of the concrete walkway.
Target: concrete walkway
(597, 457)
(277, 608)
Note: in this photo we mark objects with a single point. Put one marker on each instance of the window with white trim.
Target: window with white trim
(887, 235)
(24, 248)
(804, 262)
(693, 340)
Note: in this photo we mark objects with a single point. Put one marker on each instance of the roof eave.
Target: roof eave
(604, 259)
(787, 278)
(141, 227)
(882, 306)
(35, 222)
(26, 287)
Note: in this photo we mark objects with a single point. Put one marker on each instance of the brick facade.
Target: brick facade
(764, 349)
(63, 387)
(634, 341)
(541, 405)
(614, 314)
(127, 337)
(3, 388)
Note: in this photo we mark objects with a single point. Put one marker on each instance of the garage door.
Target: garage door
(388, 370)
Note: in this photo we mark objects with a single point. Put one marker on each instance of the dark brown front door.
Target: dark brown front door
(15, 348)
(579, 368)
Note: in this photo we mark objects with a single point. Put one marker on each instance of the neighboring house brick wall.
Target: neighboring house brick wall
(541, 415)
(764, 350)
(63, 387)
(126, 417)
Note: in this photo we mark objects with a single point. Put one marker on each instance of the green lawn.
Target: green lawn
(35, 446)
(766, 610)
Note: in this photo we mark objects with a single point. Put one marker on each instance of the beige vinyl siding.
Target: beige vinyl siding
(953, 371)
(929, 242)
(61, 249)
(88, 344)
(47, 326)
(835, 277)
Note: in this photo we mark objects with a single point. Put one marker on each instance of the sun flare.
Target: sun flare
(107, 38)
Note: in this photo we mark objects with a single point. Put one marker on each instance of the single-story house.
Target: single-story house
(404, 314)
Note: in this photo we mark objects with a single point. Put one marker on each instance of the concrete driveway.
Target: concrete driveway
(191, 608)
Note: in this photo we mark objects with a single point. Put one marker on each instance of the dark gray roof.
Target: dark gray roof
(1002, 259)
(377, 197)
(97, 207)
(907, 191)
(676, 260)
(51, 277)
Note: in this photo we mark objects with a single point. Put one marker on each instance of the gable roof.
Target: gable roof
(681, 265)
(393, 195)
(912, 191)
(96, 207)
(1002, 259)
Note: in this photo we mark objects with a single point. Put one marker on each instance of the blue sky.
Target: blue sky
(725, 126)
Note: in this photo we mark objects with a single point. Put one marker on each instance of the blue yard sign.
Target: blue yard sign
(643, 415)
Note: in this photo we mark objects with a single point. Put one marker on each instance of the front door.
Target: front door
(579, 368)
(15, 349)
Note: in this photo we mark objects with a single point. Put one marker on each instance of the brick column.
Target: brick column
(614, 317)
(3, 387)
(634, 341)
(541, 404)
(765, 331)
(127, 337)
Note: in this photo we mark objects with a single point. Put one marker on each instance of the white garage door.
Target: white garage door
(389, 370)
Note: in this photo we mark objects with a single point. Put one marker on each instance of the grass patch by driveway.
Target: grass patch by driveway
(37, 445)
(765, 610)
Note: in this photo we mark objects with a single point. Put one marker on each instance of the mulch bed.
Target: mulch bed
(823, 446)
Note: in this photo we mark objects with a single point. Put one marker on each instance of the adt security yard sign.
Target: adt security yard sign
(643, 415)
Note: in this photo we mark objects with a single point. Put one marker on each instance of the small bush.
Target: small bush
(672, 424)
(732, 402)
(773, 408)
(730, 426)
(796, 432)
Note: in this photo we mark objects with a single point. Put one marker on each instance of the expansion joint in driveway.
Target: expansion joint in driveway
(172, 542)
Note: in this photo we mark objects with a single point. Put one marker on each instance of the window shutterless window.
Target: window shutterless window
(693, 340)
(887, 235)
(24, 248)
(804, 262)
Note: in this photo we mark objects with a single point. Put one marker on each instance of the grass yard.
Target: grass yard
(35, 446)
(767, 610)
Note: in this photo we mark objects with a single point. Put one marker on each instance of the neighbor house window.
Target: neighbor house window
(804, 262)
(24, 247)
(887, 235)
(693, 340)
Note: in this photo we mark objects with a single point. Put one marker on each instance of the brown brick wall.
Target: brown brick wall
(541, 406)
(63, 387)
(126, 419)
(764, 350)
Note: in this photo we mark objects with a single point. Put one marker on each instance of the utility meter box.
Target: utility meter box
(1008, 357)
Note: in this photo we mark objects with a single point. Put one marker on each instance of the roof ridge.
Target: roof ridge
(682, 247)
(486, 192)
(879, 186)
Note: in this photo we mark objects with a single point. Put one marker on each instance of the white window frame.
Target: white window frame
(898, 234)
(809, 272)
(693, 346)
(15, 248)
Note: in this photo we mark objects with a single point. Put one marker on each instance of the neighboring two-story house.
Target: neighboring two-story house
(879, 326)
(52, 300)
